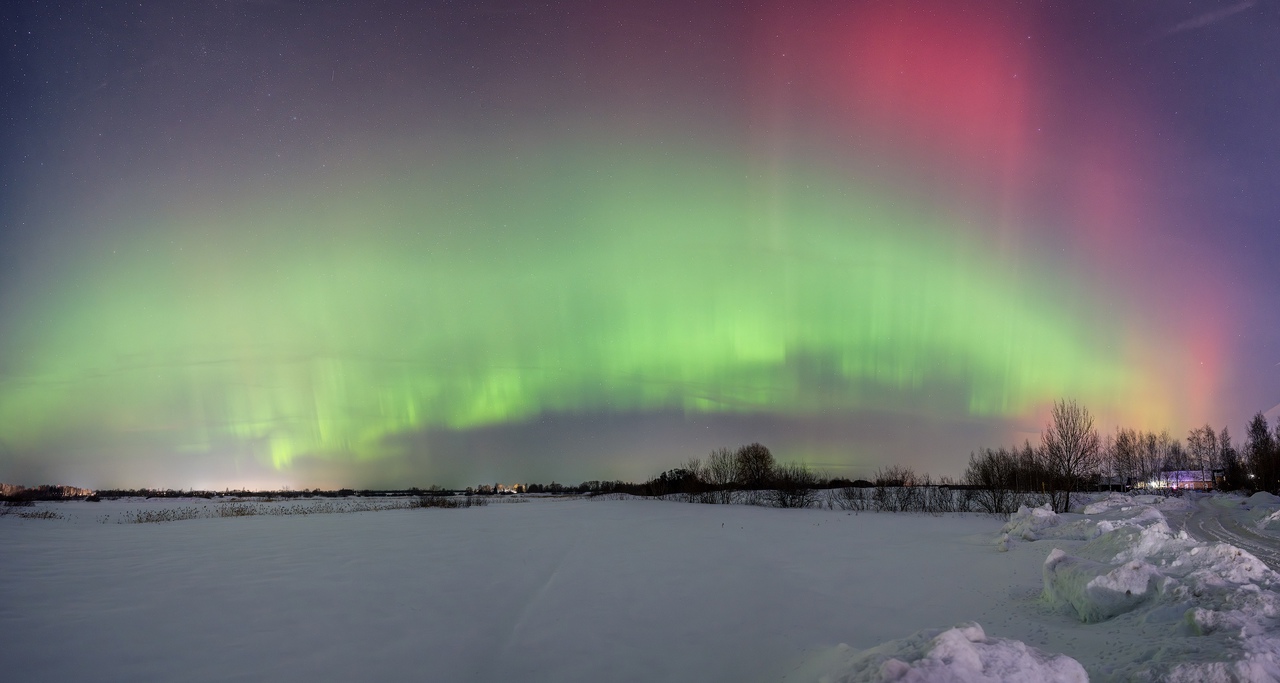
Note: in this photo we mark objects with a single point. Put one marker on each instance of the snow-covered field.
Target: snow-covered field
(635, 590)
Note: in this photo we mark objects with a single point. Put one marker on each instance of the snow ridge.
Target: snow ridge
(964, 654)
(1217, 605)
(1134, 562)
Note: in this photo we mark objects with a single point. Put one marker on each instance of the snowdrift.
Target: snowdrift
(960, 654)
(560, 590)
(1100, 517)
(1263, 510)
(1135, 563)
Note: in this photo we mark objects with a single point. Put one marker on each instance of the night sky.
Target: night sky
(275, 243)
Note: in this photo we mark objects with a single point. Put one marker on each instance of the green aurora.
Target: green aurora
(321, 322)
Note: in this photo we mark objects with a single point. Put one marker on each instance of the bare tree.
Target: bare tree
(854, 498)
(721, 473)
(937, 498)
(754, 466)
(1202, 446)
(1150, 456)
(895, 489)
(695, 487)
(992, 474)
(1070, 445)
(1172, 458)
(1106, 463)
(794, 486)
(1126, 456)
(1031, 476)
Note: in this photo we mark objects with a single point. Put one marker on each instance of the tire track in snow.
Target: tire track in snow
(492, 666)
(1208, 523)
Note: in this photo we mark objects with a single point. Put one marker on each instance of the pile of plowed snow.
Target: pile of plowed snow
(1134, 562)
(961, 654)
(1263, 509)
(1096, 518)
(1208, 611)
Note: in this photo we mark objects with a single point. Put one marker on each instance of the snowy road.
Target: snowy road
(1211, 522)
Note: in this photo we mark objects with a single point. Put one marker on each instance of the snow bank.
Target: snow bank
(1269, 522)
(1262, 509)
(1097, 518)
(1264, 498)
(1096, 591)
(1138, 564)
(1028, 522)
(963, 654)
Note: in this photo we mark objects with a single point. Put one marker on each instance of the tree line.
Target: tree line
(1071, 456)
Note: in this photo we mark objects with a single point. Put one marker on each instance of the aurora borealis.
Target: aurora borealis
(392, 243)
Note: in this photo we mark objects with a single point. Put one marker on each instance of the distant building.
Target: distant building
(1184, 480)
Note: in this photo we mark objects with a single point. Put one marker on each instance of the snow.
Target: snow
(1096, 591)
(630, 590)
(1262, 509)
(1222, 596)
(549, 590)
(961, 654)
(1027, 524)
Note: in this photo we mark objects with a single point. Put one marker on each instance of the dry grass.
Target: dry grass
(450, 502)
(254, 508)
(40, 514)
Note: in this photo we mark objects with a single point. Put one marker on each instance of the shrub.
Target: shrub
(754, 465)
(40, 514)
(794, 486)
(166, 515)
(895, 490)
(854, 498)
(439, 502)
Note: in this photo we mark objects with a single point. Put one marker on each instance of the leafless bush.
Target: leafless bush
(993, 474)
(854, 498)
(237, 510)
(438, 502)
(794, 486)
(251, 509)
(164, 515)
(895, 489)
(462, 502)
(941, 498)
(721, 471)
(696, 488)
(898, 489)
(609, 496)
(754, 465)
(247, 508)
(40, 514)
(1031, 499)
